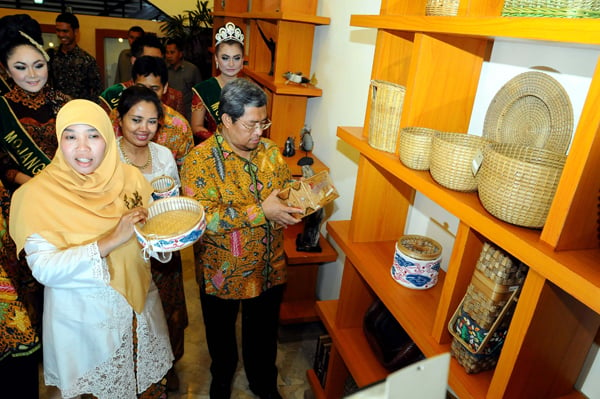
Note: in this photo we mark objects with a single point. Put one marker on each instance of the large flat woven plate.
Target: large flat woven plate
(531, 109)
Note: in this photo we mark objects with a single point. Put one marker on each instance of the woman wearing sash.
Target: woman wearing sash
(27, 141)
(104, 328)
(28, 110)
(229, 58)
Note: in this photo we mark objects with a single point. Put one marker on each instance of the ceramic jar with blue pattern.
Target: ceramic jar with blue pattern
(416, 262)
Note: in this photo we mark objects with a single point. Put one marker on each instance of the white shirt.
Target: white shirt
(87, 326)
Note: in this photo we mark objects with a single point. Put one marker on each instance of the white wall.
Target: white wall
(342, 59)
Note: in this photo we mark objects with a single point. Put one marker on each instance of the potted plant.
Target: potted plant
(194, 29)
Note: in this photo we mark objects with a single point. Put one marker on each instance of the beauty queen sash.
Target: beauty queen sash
(210, 93)
(19, 144)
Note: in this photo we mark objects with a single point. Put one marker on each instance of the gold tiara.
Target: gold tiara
(229, 32)
(36, 45)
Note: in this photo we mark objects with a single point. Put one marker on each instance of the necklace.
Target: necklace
(144, 166)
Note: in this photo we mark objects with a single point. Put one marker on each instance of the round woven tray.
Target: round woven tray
(173, 223)
(517, 183)
(531, 109)
(415, 147)
(442, 7)
(451, 158)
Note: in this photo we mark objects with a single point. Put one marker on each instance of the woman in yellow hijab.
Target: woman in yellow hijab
(104, 331)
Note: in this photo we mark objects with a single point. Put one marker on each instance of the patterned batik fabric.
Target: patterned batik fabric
(241, 254)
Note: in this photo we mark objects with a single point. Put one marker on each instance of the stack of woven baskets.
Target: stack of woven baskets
(481, 321)
(515, 166)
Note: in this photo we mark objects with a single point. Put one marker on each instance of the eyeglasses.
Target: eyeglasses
(264, 125)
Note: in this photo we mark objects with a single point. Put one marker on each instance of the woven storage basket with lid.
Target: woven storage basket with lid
(416, 262)
(415, 147)
(517, 183)
(442, 7)
(552, 8)
(451, 158)
(387, 99)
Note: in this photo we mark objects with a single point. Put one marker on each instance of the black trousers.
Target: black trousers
(19, 376)
(260, 320)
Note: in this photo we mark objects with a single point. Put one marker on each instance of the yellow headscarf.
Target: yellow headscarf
(70, 209)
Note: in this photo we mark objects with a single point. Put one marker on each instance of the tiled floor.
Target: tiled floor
(295, 354)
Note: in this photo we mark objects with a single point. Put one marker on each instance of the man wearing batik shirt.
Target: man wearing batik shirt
(236, 175)
(74, 71)
(174, 132)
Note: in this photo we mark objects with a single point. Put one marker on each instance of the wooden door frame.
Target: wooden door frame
(101, 34)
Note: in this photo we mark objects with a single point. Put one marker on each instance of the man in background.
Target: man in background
(149, 45)
(74, 71)
(124, 62)
(183, 75)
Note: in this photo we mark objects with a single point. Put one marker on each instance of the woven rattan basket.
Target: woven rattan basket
(516, 184)
(387, 99)
(480, 323)
(442, 7)
(164, 186)
(415, 147)
(173, 223)
(451, 158)
(552, 8)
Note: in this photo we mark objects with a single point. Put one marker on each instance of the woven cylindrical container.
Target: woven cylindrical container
(416, 262)
(452, 155)
(415, 147)
(442, 7)
(517, 183)
(164, 186)
(387, 99)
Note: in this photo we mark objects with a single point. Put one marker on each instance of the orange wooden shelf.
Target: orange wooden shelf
(574, 271)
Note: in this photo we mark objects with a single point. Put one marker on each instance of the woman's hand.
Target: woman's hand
(278, 212)
(123, 232)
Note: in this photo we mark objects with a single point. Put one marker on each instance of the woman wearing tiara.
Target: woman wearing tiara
(229, 58)
(27, 143)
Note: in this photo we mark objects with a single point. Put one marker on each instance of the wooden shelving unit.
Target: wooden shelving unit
(291, 25)
(439, 60)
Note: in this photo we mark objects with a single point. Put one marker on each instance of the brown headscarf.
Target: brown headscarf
(70, 209)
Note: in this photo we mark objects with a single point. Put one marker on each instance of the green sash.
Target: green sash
(210, 93)
(19, 144)
(111, 96)
(4, 86)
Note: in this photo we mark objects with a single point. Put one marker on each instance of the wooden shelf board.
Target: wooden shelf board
(294, 257)
(364, 367)
(281, 16)
(296, 169)
(352, 346)
(298, 312)
(569, 30)
(414, 309)
(576, 272)
(291, 89)
(315, 384)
